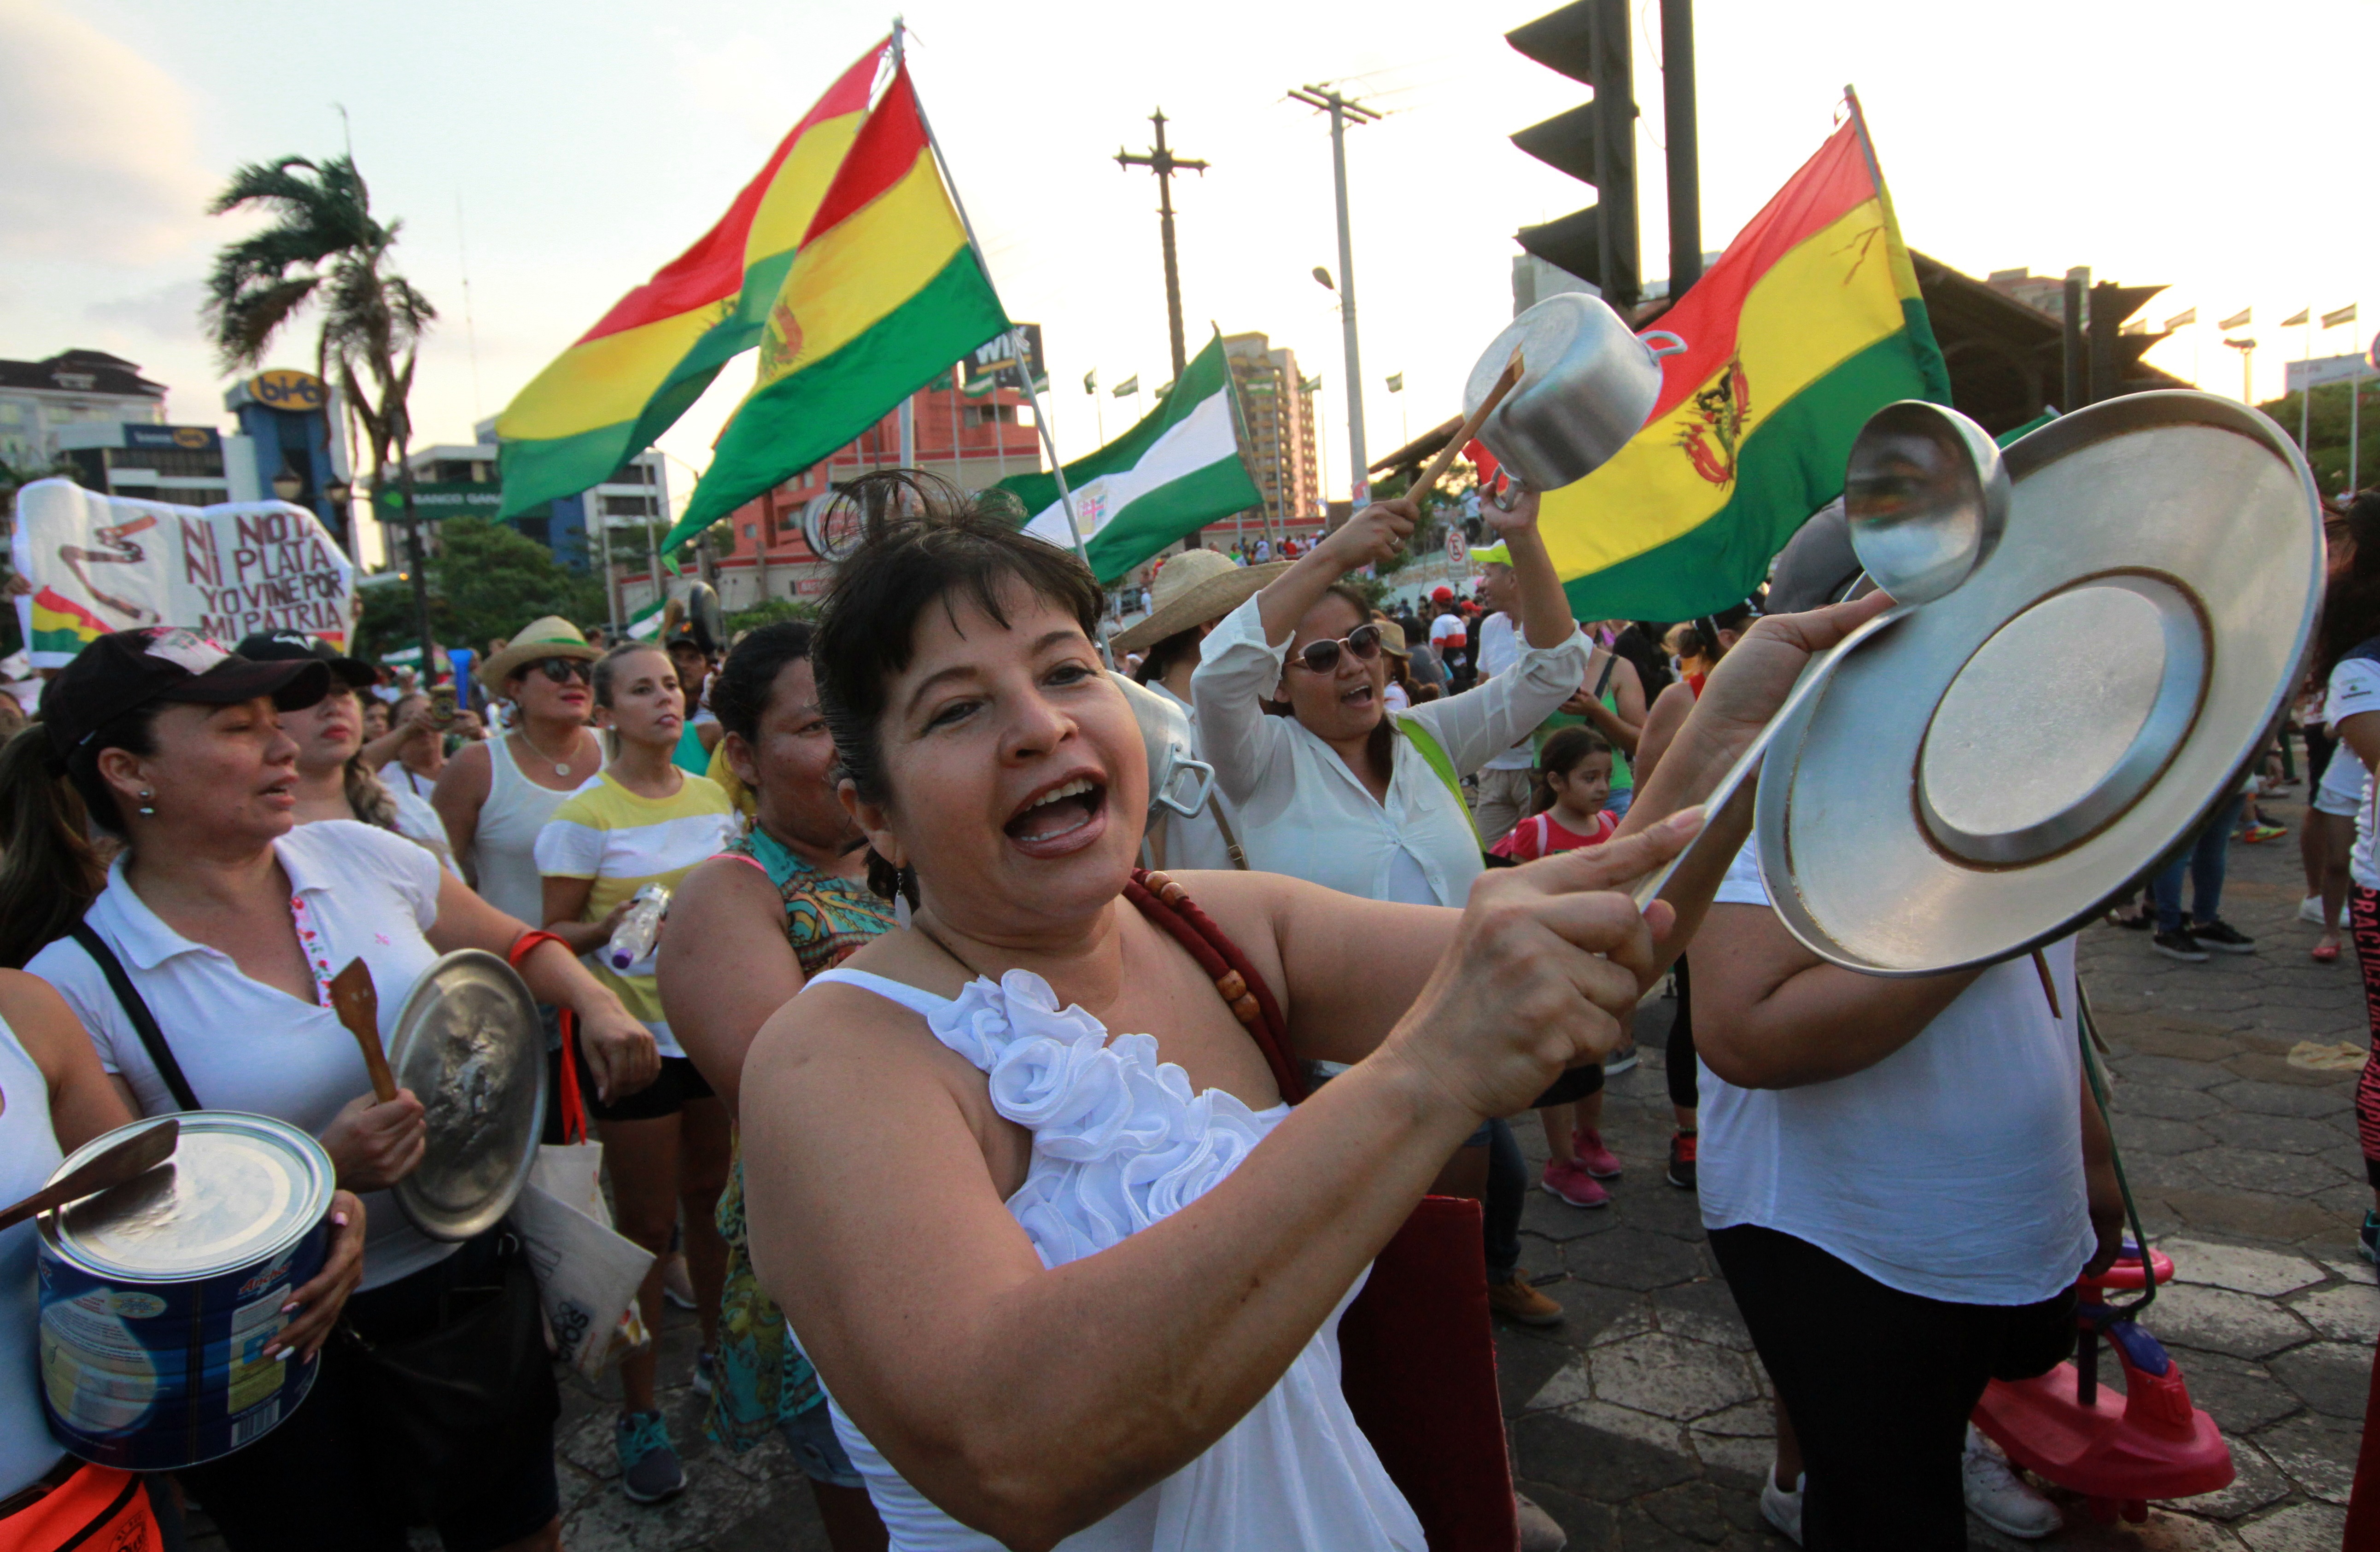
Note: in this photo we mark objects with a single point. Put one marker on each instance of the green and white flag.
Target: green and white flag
(646, 623)
(1171, 475)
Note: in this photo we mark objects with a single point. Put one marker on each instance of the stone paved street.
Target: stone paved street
(1643, 1423)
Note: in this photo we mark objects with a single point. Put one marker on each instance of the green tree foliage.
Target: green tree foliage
(770, 611)
(488, 580)
(2328, 433)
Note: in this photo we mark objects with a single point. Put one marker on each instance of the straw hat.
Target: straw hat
(1193, 588)
(552, 636)
(1393, 636)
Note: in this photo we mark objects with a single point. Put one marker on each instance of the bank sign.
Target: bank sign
(434, 501)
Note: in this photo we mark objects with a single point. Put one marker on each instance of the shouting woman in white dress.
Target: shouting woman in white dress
(1064, 1287)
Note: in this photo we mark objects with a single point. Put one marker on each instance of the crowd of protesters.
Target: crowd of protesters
(994, 1275)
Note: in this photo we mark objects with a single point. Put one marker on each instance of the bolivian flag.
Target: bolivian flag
(629, 378)
(1808, 324)
(60, 624)
(884, 293)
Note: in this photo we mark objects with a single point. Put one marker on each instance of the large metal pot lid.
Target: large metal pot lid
(1982, 777)
(468, 1044)
(238, 1188)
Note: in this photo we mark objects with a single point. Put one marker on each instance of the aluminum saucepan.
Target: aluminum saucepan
(1588, 386)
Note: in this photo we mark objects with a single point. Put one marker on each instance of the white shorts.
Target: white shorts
(2344, 782)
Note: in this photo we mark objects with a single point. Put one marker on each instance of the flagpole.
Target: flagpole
(2305, 392)
(1040, 421)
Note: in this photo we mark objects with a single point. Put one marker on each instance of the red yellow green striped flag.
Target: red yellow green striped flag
(885, 293)
(1809, 323)
(60, 624)
(628, 379)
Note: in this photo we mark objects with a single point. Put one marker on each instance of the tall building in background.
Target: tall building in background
(74, 387)
(1279, 434)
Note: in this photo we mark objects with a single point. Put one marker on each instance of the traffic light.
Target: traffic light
(1596, 143)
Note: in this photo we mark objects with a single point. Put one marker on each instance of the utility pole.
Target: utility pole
(2077, 351)
(1678, 124)
(1164, 164)
(1343, 112)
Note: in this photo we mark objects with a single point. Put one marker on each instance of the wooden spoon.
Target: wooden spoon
(136, 1154)
(1453, 449)
(356, 1002)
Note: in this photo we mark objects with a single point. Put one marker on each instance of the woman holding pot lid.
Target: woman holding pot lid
(1192, 591)
(1342, 794)
(785, 901)
(335, 780)
(495, 796)
(226, 920)
(1130, 1254)
(54, 1098)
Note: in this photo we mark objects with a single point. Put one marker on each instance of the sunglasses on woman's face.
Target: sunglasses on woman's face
(562, 670)
(1322, 657)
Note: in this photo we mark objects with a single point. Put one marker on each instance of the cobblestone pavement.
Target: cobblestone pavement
(1643, 1423)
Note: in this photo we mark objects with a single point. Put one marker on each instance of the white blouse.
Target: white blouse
(1300, 810)
(1120, 1140)
(356, 892)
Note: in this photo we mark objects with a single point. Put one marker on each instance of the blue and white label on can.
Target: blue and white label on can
(152, 1336)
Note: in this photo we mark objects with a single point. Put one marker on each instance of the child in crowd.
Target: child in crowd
(1574, 782)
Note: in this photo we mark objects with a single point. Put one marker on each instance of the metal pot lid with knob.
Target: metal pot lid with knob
(1587, 387)
(469, 1044)
(1979, 779)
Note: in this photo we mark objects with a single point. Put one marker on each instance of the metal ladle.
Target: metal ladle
(1925, 498)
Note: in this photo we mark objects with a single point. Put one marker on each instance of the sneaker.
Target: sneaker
(1539, 1530)
(2138, 921)
(2178, 944)
(1682, 1160)
(1999, 1498)
(649, 1465)
(2310, 911)
(1619, 1061)
(706, 1364)
(1781, 1509)
(2222, 936)
(677, 1284)
(1572, 1183)
(2367, 1239)
(1596, 1159)
(1516, 1300)
(2255, 834)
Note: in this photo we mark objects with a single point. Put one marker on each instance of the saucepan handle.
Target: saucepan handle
(1510, 496)
(1675, 347)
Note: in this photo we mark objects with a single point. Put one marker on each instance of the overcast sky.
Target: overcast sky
(556, 154)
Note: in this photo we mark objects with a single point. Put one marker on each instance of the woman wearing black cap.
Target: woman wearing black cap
(224, 921)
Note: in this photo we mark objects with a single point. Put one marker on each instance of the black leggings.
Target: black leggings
(1685, 1089)
(1879, 1384)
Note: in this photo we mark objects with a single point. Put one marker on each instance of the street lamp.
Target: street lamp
(288, 482)
(336, 492)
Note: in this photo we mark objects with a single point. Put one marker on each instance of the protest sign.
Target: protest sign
(100, 563)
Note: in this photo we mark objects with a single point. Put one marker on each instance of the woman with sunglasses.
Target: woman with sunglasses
(1339, 792)
(497, 795)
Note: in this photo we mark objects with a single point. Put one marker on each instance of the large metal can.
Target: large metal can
(158, 1297)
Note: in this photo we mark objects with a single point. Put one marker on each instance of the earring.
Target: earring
(146, 803)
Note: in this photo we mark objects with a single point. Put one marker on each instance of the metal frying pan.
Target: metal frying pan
(1979, 780)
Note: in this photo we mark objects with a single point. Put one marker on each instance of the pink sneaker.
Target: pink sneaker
(1596, 1159)
(1573, 1184)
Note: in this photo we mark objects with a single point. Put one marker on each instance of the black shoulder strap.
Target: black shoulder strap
(1610, 661)
(144, 1023)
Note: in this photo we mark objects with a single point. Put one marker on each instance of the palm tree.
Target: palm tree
(325, 247)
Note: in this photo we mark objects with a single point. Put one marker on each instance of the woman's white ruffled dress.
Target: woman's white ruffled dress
(1119, 1142)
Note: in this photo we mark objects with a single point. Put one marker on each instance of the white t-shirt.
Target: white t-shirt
(1499, 648)
(356, 892)
(1447, 630)
(1952, 1169)
(2355, 689)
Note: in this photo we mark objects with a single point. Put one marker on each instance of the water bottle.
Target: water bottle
(633, 940)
